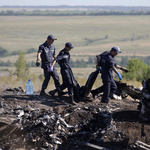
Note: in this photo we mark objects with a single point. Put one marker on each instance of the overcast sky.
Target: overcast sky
(76, 2)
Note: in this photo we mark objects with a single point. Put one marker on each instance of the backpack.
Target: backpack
(99, 57)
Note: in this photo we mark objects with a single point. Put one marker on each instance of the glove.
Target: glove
(38, 62)
(124, 69)
(51, 69)
(119, 75)
(99, 68)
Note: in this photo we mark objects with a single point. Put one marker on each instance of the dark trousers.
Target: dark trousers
(48, 75)
(110, 88)
(67, 82)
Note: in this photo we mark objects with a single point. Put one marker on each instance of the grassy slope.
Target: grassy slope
(87, 33)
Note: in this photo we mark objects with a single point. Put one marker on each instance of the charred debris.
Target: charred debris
(79, 127)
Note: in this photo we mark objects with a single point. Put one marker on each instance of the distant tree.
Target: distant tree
(137, 70)
(147, 60)
(33, 64)
(22, 69)
(31, 50)
(83, 63)
(10, 12)
(124, 60)
(147, 73)
(91, 60)
(15, 53)
(72, 63)
(78, 63)
(3, 52)
(8, 63)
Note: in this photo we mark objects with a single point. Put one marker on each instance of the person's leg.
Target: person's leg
(69, 83)
(97, 91)
(45, 82)
(64, 83)
(47, 78)
(105, 97)
(60, 88)
(55, 76)
(113, 88)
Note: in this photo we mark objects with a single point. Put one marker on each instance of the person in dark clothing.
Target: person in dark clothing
(46, 54)
(108, 65)
(63, 60)
(101, 88)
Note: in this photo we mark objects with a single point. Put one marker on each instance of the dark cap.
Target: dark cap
(51, 37)
(68, 44)
(116, 49)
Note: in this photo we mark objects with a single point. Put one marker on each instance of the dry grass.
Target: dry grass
(87, 33)
(81, 74)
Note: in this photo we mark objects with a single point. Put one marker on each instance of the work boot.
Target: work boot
(52, 93)
(61, 93)
(42, 93)
(94, 93)
(72, 100)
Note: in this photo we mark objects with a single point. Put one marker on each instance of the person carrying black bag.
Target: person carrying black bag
(63, 60)
(107, 64)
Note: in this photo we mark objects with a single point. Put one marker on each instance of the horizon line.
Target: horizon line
(68, 6)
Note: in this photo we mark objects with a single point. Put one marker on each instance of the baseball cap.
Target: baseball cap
(68, 44)
(51, 37)
(116, 49)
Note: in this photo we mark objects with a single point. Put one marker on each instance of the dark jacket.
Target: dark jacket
(106, 63)
(63, 59)
(47, 54)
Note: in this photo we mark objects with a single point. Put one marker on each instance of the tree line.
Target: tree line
(81, 63)
(138, 70)
(4, 52)
(71, 13)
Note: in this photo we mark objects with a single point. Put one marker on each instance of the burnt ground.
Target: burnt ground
(35, 122)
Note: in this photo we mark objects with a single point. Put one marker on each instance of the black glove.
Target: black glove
(124, 69)
(38, 62)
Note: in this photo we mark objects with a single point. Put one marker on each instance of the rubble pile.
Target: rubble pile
(15, 90)
(124, 90)
(34, 128)
(145, 101)
(39, 123)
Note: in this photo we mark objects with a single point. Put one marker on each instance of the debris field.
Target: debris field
(46, 123)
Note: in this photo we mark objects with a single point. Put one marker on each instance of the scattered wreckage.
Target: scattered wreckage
(144, 106)
(76, 127)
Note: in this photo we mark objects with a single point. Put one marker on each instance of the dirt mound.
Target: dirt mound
(34, 122)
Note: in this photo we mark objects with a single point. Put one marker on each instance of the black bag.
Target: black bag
(85, 90)
(76, 86)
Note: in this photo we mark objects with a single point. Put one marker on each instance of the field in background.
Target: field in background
(90, 35)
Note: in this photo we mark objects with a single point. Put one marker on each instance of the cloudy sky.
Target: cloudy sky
(76, 2)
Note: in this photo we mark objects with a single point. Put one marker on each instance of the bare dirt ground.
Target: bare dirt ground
(35, 122)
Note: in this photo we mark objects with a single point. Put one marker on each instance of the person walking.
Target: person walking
(45, 55)
(108, 65)
(101, 88)
(63, 60)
